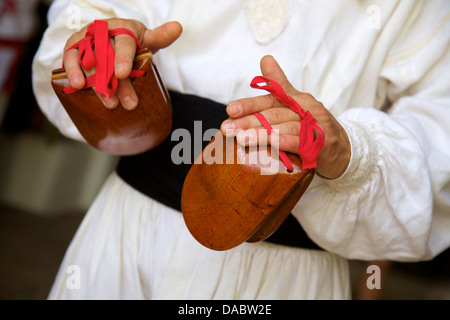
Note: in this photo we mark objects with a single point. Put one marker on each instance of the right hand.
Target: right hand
(125, 50)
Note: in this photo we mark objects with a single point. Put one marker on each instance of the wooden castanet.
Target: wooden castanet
(234, 194)
(119, 131)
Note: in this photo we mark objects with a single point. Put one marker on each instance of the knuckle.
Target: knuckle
(274, 115)
(243, 123)
(123, 59)
(270, 100)
(319, 111)
(306, 96)
(120, 23)
(292, 129)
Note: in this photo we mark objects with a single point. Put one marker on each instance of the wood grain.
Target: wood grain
(119, 131)
(234, 194)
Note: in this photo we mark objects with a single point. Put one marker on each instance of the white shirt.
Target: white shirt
(380, 67)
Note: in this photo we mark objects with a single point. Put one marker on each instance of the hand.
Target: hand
(125, 50)
(335, 155)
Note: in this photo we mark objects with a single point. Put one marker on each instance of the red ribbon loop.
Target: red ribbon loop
(284, 158)
(98, 38)
(311, 137)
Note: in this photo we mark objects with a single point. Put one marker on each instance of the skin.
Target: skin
(335, 155)
(125, 49)
(332, 160)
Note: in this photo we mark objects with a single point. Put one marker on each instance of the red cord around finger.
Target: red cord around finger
(284, 158)
(98, 38)
(310, 144)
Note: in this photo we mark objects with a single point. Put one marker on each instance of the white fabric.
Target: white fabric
(131, 247)
(379, 66)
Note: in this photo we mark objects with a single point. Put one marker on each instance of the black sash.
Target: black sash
(155, 174)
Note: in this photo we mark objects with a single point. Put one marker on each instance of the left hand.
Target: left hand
(335, 155)
(125, 50)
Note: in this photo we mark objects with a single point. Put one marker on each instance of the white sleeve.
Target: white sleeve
(393, 202)
(64, 18)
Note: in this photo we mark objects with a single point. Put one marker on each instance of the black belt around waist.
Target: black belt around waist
(155, 174)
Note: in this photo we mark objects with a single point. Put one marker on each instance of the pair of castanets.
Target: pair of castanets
(231, 194)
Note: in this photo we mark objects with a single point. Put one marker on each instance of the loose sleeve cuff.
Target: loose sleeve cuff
(362, 160)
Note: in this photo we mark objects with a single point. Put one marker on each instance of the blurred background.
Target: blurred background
(47, 182)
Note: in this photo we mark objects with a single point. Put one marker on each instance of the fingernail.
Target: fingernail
(229, 127)
(76, 81)
(234, 109)
(110, 103)
(129, 103)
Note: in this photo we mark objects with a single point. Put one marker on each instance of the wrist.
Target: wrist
(336, 158)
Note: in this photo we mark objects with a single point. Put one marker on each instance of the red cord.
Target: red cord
(283, 156)
(98, 37)
(309, 145)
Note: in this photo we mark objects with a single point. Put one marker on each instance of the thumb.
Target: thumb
(162, 36)
(272, 70)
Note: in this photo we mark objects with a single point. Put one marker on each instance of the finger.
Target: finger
(126, 94)
(272, 70)
(252, 137)
(287, 143)
(74, 72)
(109, 103)
(162, 36)
(260, 137)
(71, 64)
(291, 128)
(273, 116)
(248, 106)
(125, 50)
